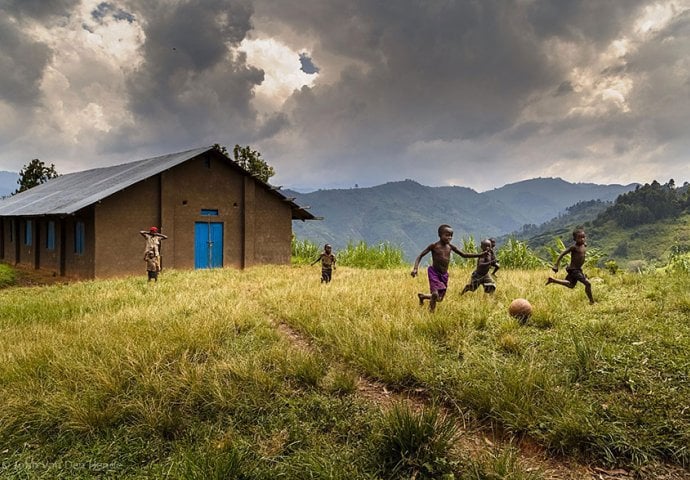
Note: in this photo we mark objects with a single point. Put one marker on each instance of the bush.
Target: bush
(679, 260)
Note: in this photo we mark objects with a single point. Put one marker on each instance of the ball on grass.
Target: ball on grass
(520, 309)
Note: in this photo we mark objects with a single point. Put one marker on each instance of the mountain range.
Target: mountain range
(407, 214)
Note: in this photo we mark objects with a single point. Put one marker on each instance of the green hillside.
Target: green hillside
(407, 214)
(641, 229)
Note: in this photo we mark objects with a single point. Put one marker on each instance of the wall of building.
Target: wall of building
(207, 183)
(118, 220)
(27, 251)
(60, 260)
(49, 258)
(272, 228)
(8, 246)
(79, 265)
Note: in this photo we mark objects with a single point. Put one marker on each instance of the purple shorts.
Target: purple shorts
(437, 281)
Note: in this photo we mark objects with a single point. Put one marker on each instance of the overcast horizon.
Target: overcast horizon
(333, 95)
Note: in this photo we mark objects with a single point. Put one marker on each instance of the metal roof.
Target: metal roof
(70, 193)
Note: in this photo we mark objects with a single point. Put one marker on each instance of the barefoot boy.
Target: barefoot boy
(438, 270)
(577, 259)
(481, 275)
(327, 260)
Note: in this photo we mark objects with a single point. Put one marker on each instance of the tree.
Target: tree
(250, 160)
(35, 173)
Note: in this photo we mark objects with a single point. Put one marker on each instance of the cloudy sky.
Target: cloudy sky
(477, 93)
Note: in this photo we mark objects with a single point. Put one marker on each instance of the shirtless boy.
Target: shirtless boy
(438, 270)
(577, 259)
(481, 275)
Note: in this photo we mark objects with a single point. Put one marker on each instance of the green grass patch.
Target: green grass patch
(7, 276)
(189, 377)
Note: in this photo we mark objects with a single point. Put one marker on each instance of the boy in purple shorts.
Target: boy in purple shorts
(438, 270)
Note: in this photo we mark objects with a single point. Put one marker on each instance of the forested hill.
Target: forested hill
(644, 226)
(408, 214)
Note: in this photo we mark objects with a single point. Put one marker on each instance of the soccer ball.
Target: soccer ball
(520, 309)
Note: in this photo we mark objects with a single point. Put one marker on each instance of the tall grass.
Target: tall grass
(416, 444)
(573, 377)
(361, 255)
(190, 378)
(304, 252)
(516, 254)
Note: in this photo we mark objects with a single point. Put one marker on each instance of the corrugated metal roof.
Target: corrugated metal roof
(69, 193)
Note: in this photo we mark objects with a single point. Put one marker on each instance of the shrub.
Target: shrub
(611, 266)
(7, 276)
(679, 260)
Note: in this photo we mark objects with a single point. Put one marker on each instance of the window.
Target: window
(12, 230)
(28, 233)
(79, 234)
(209, 212)
(50, 235)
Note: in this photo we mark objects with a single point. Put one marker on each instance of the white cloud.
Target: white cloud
(282, 70)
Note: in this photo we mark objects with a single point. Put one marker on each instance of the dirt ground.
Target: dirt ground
(29, 277)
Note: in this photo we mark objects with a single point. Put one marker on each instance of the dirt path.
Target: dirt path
(476, 439)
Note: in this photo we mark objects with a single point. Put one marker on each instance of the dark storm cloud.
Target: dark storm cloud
(662, 100)
(564, 88)
(415, 72)
(22, 61)
(418, 70)
(581, 20)
(38, 9)
(191, 84)
(423, 89)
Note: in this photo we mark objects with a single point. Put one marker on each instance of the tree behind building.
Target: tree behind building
(35, 173)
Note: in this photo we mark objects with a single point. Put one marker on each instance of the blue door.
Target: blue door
(208, 244)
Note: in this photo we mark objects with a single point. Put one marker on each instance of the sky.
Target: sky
(338, 94)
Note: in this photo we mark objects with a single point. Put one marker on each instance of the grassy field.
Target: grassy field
(192, 378)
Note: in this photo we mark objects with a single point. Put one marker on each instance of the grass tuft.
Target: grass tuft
(416, 442)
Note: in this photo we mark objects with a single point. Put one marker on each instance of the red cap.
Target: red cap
(153, 229)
